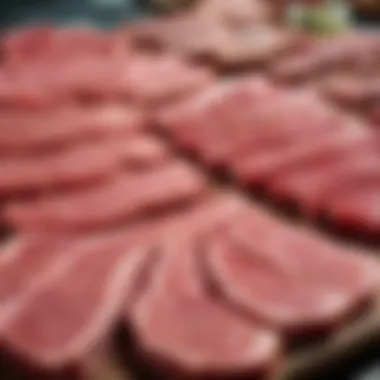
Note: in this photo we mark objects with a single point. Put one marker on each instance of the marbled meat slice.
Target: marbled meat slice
(127, 196)
(63, 328)
(287, 277)
(182, 332)
(40, 130)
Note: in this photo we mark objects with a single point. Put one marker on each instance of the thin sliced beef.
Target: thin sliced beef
(144, 151)
(315, 189)
(43, 130)
(300, 184)
(80, 164)
(280, 275)
(156, 79)
(62, 329)
(132, 195)
(261, 167)
(182, 333)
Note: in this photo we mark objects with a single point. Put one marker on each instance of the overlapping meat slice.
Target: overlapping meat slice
(286, 276)
(80, 164)
(120, 199)
(144, 151)
(61, 328)
(62, 64)
(182, 332)
(313, 187)
(262, 166)
(208, 115)
(35, 130)
(155, 79)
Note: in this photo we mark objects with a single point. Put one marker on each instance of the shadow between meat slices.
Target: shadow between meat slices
(288, 278)
(183, 333)
(358, 210)
(62, 329)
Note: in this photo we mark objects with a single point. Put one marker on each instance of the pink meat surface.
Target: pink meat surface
(282, 275)
(35, 130)
(127, 196)
(144, 151)
(57, 328)
(153, 80)
(261, 167)
(79, 164)
(183, 332)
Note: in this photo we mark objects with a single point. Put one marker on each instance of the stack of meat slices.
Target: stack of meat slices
(289, 143)
(44, 66)
(220, 289)
(68, 164)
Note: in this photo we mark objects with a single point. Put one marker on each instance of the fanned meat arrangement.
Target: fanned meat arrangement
(288, 143)
(122, 247)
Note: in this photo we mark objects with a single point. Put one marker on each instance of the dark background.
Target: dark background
(106, 14)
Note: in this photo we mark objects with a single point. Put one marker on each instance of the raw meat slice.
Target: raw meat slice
(33, 131)
(56, 330)
(280, 276)
(306, 185)
(125, 197)
(23, 259)
(271, 128)
(153, 80)
(258, 169)
(359, 276)
(80, 164)
(182, 332)
(358, 210)
(144, 151)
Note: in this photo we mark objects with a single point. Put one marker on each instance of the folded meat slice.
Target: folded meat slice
(79, 164)
(120, 199)
(33, 130)
(286, 277)
(62, 328)
(181, 332)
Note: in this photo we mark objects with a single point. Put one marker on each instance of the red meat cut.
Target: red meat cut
(62, 327)
(182, 332)
(80, 164)
(43, 130)
(286, 276)
(131, 195)
(144, 151)
(158, 79)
